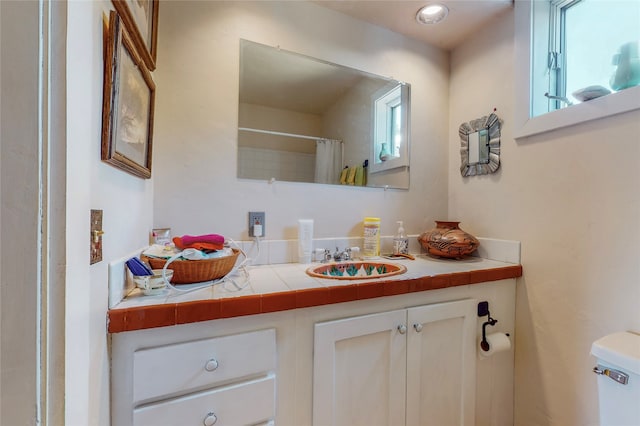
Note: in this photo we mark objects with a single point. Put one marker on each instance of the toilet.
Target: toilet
(618, 370)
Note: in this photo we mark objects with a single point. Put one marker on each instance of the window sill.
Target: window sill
(392, 163)
(605, 106)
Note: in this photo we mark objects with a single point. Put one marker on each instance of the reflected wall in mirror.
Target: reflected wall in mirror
(301, 119)
(480, 146)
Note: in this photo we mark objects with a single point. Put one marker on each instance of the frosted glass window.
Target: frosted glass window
(576, 46)
(396, 129)
(594, 31)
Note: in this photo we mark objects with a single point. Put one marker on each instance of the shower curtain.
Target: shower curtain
(328, 161)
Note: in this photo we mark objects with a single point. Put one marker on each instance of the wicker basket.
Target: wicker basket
(196, 271)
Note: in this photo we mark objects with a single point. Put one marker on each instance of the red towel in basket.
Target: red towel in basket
(200, 242)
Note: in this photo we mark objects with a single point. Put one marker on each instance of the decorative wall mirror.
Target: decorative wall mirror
(480, 145)
(303, 119)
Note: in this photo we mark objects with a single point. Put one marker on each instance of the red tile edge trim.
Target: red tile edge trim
(420, 284)
(196, 311)
(312, 297)
(393, 288)
(343, 293)
(369, 290)
(240, 306)
(150, 317)
(143, 317)
(274, 302)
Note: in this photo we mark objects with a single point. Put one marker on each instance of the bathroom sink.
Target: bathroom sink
(356, 270)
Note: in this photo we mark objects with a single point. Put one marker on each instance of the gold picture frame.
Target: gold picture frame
(140, 17)
(128, 104)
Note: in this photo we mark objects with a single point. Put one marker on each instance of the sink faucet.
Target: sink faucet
(342, 256)
(337, 256)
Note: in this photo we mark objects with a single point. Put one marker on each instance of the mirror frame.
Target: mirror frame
(492, 124)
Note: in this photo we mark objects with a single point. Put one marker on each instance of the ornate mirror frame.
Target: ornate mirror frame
(488, 150)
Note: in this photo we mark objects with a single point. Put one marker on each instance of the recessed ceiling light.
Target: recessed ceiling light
(432, 13)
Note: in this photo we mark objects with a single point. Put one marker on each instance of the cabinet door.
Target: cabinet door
(441, 361)
(359, 370)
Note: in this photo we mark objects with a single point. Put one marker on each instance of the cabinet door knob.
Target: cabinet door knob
(418, 327)
(210, 420)
(211, 365)
(402, 328)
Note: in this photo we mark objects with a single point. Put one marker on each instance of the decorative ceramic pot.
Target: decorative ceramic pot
(448, 240)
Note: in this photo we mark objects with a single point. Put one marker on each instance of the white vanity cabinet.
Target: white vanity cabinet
(336, 364)
(227, 380)
(409, 366)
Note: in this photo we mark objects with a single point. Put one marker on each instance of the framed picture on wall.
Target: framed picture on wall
(140, 17)
(128, 104)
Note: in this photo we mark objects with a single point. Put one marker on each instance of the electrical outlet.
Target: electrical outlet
(256, 224)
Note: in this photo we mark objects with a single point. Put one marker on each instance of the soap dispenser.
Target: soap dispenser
(400, 241)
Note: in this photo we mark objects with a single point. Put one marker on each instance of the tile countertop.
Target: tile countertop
(280, 287)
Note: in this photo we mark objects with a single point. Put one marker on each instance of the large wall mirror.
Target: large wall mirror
(301, 119)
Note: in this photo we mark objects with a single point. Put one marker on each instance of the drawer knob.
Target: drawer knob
(418, 327)
(211, 365)
(210, 420)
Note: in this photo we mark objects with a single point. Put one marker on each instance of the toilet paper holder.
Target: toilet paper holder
(483, 310)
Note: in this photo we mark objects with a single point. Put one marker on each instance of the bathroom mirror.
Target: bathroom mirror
(302, 119)
(480, 145)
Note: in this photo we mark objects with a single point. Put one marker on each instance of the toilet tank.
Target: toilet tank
(618, 369)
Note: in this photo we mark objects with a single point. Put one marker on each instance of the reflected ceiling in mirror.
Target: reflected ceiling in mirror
(302, 119)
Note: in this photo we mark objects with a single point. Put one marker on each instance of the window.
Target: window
(395, 129)
(569, 52)
(585, 38)
(389, 148)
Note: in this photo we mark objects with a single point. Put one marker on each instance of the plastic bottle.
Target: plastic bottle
(371, 246)
(400, 241)
(305, 240)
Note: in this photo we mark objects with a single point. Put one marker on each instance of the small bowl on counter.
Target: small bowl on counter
(153, 284)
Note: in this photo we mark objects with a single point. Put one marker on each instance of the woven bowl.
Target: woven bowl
(196, 271)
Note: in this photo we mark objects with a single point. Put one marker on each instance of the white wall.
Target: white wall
(196, 189)
(19, 164)
(127, 204)
(572, 197)
(258, 163)
(194, 153)
(280, 120)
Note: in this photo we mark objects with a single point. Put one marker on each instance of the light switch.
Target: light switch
(96, 237)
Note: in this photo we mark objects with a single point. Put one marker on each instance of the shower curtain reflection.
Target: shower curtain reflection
(328, 161)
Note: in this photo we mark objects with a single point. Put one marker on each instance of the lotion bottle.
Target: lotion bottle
(400, 241)
(305, 240)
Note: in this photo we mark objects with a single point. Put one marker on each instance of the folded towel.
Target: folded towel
(359, 179)
(352, 176)
(200, 242)
(343, 175)
(160, 251)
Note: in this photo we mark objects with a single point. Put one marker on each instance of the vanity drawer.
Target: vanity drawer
(247, 403)
(199, 364)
